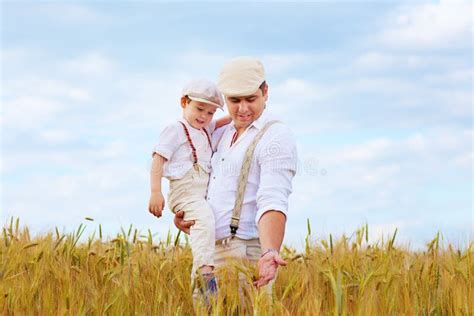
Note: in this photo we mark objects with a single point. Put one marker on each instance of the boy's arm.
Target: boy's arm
(223, 121)
(157, 201)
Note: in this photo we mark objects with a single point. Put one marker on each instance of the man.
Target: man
(261, 222)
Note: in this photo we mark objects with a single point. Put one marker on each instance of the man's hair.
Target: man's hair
(262, 86)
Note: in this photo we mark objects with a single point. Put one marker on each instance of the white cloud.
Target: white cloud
(454, 76)
(459, 102)
(93, 63)
(113, 150)
(278, 64)
(386, 85)
(275, 64)
(379, 60)
(111, 188)
(447, 24)
(465, 160)
(380, 174)
(30, 103)
(146, 102)
(44, 87)
(202, 63)
(65, 154)
(368, 151)
(70, 13)
(437, 144)
(29, 112)
(301, 89)
(290, 98)
(13, 55)
(55, 136)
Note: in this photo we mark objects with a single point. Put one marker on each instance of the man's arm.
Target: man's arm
(271, 229)
(277, 160)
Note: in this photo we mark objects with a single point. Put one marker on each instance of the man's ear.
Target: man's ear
(265, 92)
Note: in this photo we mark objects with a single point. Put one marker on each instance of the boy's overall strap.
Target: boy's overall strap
(193, 149)
(208, 138)
(244, 174)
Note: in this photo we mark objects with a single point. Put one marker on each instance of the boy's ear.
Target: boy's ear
(183, 102)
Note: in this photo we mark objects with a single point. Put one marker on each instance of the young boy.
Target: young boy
(183, 155)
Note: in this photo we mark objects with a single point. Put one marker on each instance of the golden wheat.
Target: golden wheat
(56, 274)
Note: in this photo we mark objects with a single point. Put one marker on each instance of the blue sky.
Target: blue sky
(379, 96)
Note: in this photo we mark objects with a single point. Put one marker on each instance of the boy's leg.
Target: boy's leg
(188, 194)
(202, 234)
(202, 241)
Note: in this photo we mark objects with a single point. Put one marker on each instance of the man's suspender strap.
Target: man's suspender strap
(244, 174)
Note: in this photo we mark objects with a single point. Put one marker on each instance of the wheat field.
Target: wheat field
(132, 274)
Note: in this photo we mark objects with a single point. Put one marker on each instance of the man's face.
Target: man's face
(245, 110)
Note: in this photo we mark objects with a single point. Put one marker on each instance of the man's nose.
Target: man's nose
(243, 106)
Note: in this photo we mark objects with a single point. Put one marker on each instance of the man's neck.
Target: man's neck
(241, 130)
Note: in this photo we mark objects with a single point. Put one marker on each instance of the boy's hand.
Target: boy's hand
(157, 204)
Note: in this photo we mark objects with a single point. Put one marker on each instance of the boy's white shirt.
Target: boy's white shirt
(174, 146)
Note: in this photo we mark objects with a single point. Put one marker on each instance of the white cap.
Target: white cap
(205, 91)
(241, 76)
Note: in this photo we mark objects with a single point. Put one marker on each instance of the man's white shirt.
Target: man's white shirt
(269, 183)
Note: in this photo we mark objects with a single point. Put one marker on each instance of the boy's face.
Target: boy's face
(245, 110)
(198, 114)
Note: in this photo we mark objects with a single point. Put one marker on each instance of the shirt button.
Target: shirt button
(214, 178)
(222, 159)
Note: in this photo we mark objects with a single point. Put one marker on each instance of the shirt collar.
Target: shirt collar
(183, 120)
(261, 121)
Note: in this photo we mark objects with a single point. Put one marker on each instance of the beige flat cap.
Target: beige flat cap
(241, 76)
(203, 90)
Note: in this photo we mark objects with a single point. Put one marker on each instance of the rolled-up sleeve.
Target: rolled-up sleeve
(277, 159)
(168, 142)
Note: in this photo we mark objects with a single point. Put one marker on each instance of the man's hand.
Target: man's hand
(181, 224)
(267, 267)
(157, 204)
